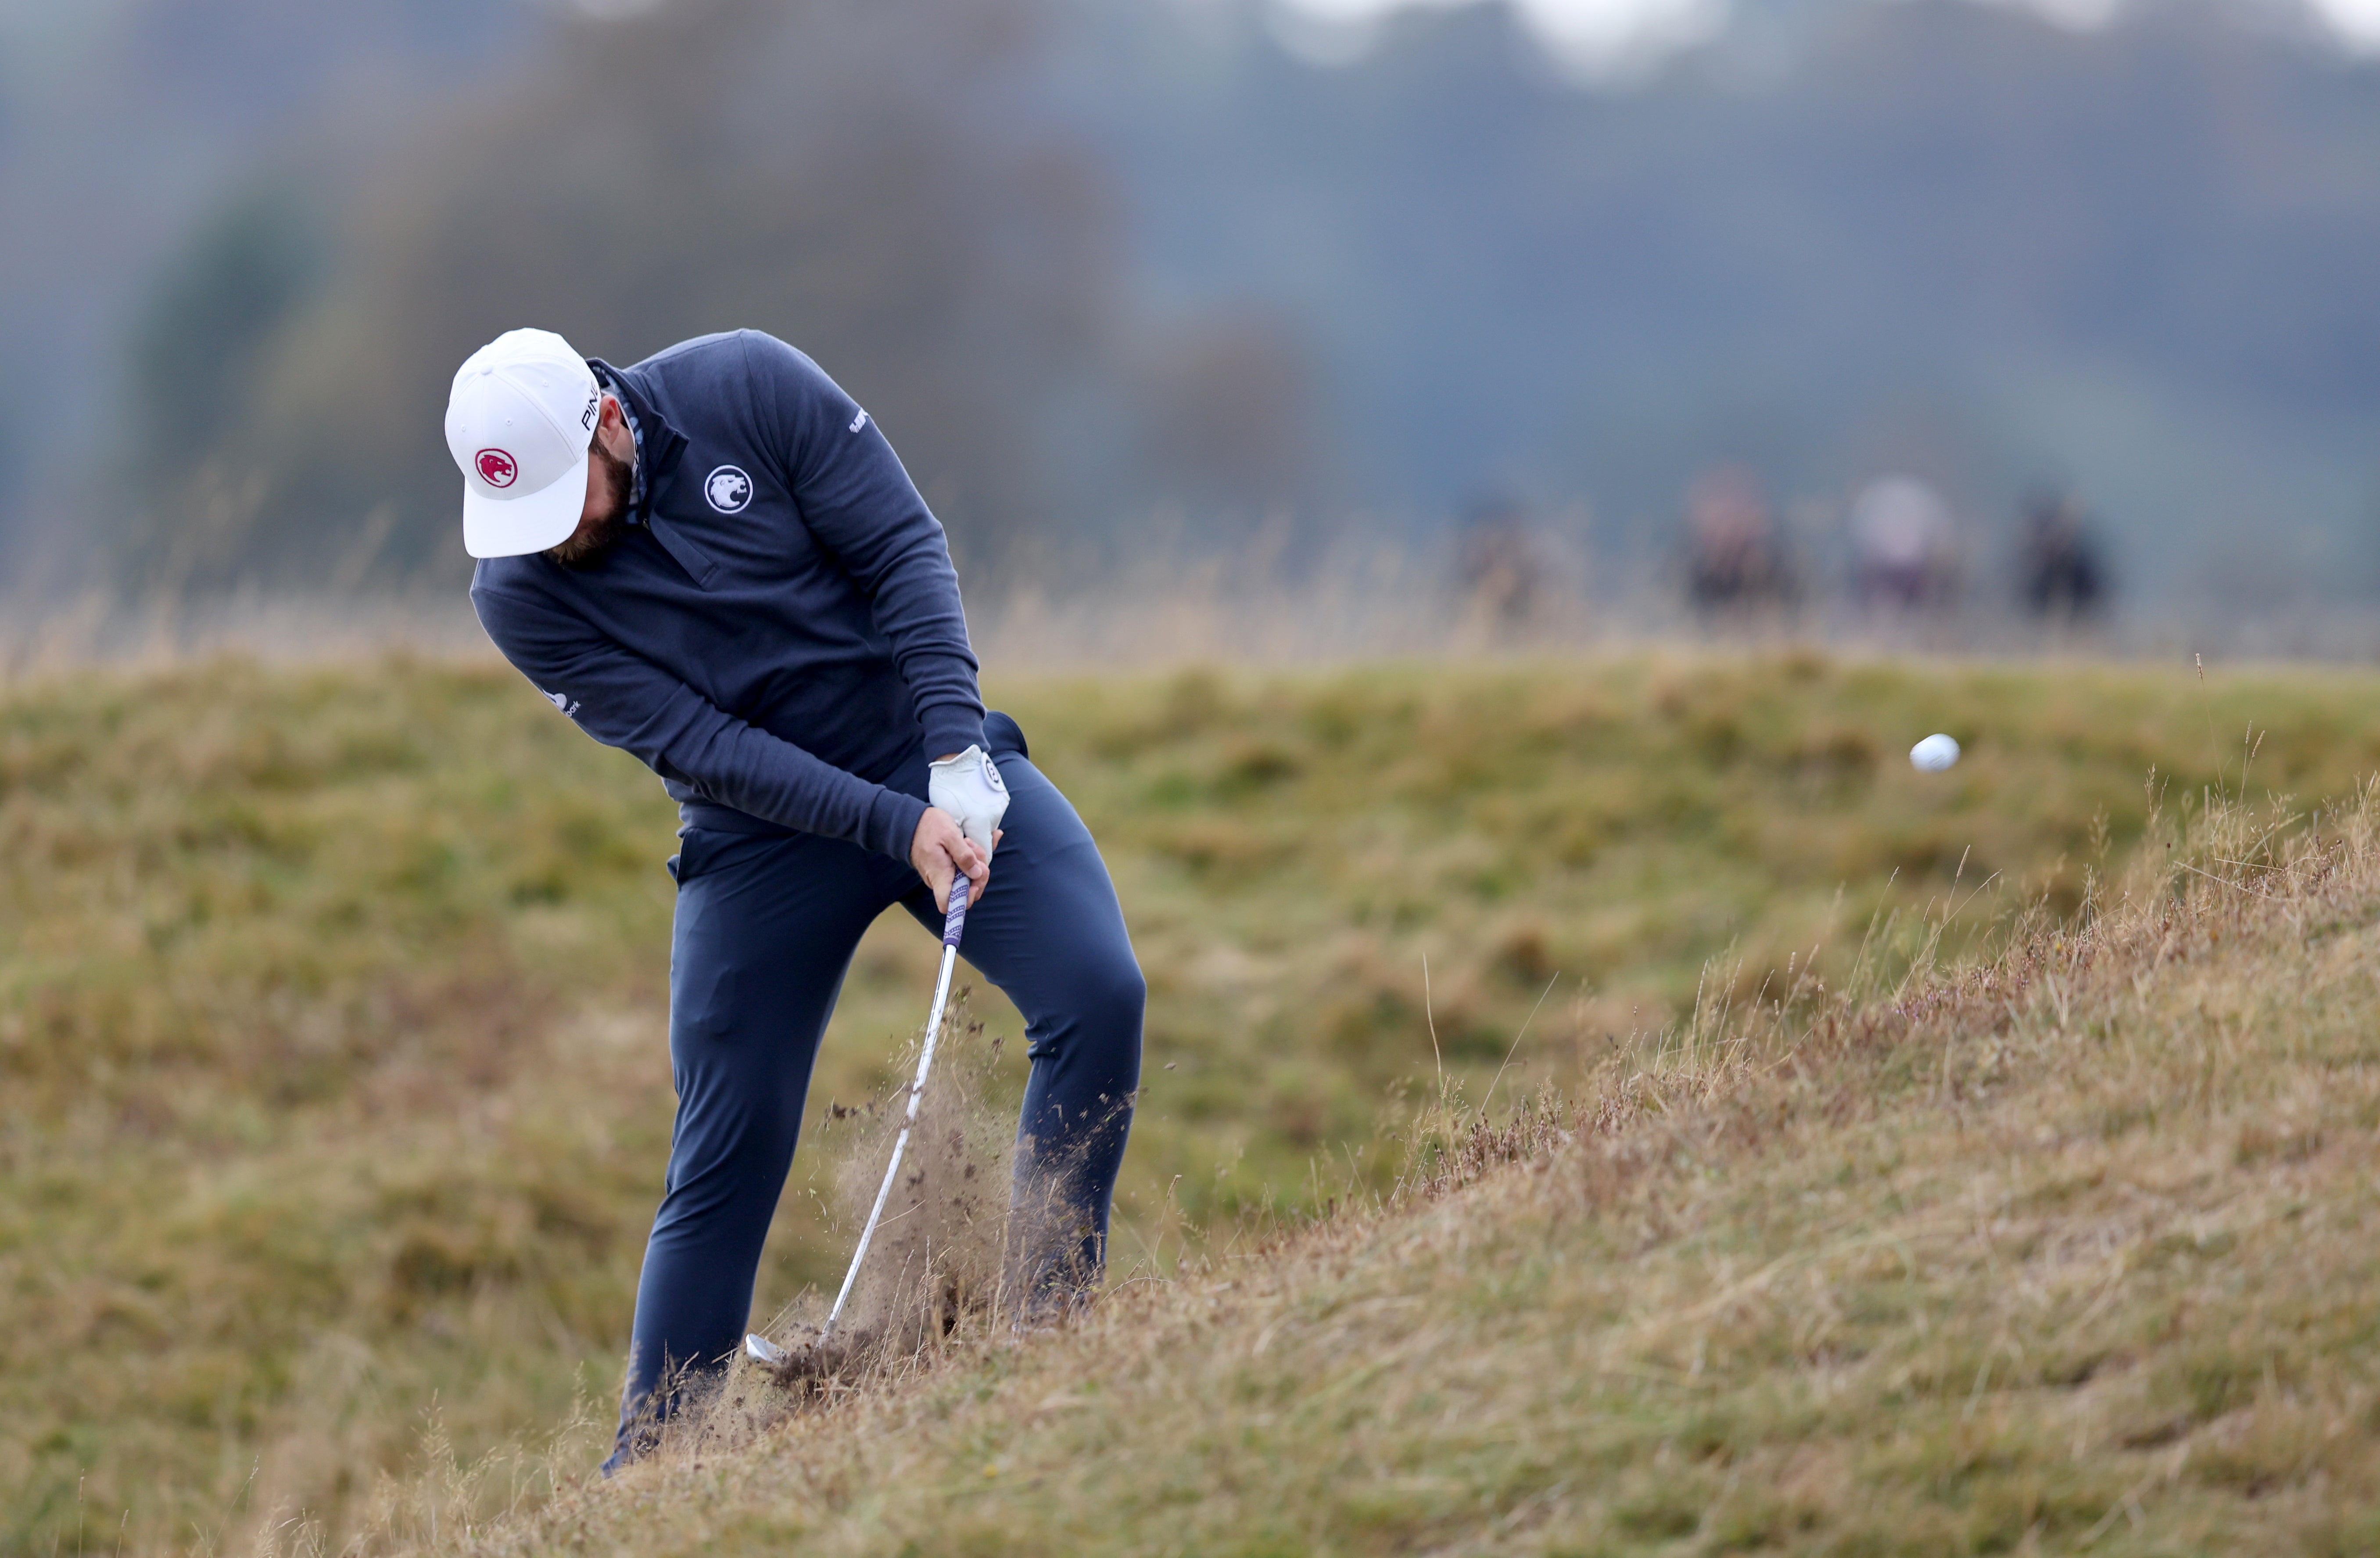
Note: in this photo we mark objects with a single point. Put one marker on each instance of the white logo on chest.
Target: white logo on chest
(728, 490)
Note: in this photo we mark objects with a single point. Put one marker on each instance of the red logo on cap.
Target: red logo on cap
(496, 468)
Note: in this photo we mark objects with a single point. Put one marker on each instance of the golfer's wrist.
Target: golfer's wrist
(950, 730)
(893, 824)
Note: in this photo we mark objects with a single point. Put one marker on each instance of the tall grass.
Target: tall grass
(2063, 1247)
(334, 1094)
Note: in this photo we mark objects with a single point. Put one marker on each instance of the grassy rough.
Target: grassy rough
(2069, 1249)
(333, 1090)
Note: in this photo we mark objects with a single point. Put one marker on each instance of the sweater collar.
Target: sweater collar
(658, 444)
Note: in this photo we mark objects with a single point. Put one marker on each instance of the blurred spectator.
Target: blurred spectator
(1736, 561)
(2061, 570)
(1503, 565)
(1905, 545)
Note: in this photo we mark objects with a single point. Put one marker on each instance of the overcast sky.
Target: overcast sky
(1601, 32)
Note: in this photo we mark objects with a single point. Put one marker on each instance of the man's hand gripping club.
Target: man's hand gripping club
(960, 827)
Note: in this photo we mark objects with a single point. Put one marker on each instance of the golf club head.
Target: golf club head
(811, 1359)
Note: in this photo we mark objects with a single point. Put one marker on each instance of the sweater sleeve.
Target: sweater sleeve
(860, 503)
(625, 700)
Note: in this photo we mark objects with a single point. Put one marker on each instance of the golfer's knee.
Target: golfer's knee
(1096, 1019)
(1111, 999)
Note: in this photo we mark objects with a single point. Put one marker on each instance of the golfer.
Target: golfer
(713, 560)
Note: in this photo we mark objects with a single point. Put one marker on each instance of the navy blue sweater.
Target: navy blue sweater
(780, 630)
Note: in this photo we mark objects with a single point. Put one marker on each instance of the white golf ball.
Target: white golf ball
(1933, 754)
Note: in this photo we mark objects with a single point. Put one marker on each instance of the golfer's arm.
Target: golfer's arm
(857, 500)
(623, 700)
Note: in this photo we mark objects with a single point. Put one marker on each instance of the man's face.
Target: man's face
(610, 481)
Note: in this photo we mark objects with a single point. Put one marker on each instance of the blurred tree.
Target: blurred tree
(869, 180)
(132, 132)
(205, 330)
(1227, 408)
(198, 354)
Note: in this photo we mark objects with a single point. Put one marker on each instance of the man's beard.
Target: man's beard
(597, 534)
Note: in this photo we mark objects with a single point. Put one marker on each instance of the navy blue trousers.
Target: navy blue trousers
(765, 926)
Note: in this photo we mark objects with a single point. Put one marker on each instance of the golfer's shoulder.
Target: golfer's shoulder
(739, 365)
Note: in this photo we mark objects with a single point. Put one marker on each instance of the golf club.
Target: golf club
(759, 1348)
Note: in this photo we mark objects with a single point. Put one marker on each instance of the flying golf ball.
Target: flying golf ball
(1933, 754)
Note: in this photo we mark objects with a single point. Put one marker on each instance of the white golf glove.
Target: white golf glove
(968, 787)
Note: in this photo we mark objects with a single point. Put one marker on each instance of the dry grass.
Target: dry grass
(333, 1095)
(2070, 1249)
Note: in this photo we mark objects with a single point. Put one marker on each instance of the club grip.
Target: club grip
(956, 921)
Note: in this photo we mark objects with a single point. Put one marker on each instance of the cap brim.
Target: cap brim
(532, 522)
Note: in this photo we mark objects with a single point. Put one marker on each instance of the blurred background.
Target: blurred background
(1982, 322)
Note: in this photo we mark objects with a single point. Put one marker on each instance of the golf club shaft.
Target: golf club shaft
(953, 923)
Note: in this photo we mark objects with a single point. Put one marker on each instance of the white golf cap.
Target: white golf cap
(520, 421)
